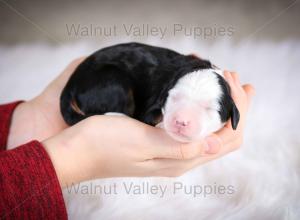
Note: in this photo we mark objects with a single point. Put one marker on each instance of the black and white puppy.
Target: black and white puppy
(185, 95)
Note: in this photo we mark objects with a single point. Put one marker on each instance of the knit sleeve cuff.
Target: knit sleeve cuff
(29, 187)
(6, 112)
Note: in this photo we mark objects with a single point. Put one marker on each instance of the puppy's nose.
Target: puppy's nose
(181, 122)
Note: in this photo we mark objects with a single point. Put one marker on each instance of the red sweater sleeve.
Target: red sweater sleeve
(6, 112)
(29, 188)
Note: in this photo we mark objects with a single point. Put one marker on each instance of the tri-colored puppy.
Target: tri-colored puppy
(185, 95)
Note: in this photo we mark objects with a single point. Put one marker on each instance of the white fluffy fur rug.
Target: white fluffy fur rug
(261, 180)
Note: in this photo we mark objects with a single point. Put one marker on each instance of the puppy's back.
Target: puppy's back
(114, 79)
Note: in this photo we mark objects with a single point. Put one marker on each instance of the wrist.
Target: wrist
(71, 156)
(21, 128)
(32, 120)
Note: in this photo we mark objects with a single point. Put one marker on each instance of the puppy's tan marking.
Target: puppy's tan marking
(75, 107)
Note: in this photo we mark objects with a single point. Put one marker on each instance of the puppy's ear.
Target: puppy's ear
(234, 115)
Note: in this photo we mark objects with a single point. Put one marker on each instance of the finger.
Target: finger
(227, 76)
(173, 167)
(249, 89)
(250, 92)
(190, 164)
(73, 65)
(237, 91)
(61, 80)
(160, 145)
(183, 151)
(231, 82)
(227, 136)
(236, 78)
(221, 137)
(163, 146)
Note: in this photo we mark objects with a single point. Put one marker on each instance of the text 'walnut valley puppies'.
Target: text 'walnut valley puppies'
(185, 95)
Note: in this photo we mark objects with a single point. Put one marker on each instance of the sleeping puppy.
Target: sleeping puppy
(185, 95)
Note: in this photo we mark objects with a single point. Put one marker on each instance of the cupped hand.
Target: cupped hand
(115, 146)
(40, 117)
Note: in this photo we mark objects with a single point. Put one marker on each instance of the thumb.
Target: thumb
(164, 146)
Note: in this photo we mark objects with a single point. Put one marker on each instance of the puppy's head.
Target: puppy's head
(199, 104)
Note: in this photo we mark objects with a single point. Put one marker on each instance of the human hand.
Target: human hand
(115, 146)
(40, 117)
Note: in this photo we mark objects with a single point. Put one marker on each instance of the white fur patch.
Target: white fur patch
(199, 90)
(201, 85)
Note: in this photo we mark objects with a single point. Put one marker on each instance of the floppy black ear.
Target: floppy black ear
(235, 116)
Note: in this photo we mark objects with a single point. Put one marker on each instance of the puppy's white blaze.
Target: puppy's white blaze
(198, 92)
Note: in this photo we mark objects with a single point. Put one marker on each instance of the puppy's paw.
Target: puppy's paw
(115, 114)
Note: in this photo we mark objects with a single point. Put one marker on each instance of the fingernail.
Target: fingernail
(212, 145)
